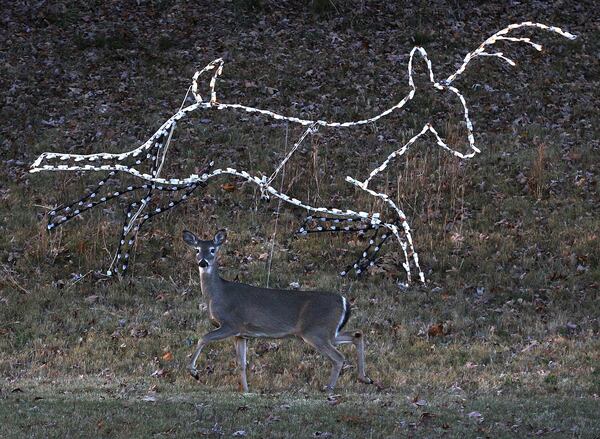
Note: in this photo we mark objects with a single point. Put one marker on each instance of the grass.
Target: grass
(117, 410)
(502, 340)
(501, 370)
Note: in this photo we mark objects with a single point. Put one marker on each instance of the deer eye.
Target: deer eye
(212, 251)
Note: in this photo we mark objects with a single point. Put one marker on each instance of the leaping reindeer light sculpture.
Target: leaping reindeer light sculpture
(156, 148)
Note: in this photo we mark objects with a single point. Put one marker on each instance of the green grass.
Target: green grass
(76, 359)
(102, 408)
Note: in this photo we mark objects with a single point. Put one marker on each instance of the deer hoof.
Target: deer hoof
(365, 380)
(194, 373)
(328, 389)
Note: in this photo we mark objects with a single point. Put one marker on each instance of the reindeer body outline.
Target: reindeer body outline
(166, 130)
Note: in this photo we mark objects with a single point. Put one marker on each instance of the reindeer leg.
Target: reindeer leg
(240, 348)
(218, 334)
(357, 339)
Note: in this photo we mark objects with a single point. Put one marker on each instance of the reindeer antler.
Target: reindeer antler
(217, 66)
(500, 35)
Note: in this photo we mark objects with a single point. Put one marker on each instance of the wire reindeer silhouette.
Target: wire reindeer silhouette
(154, 150)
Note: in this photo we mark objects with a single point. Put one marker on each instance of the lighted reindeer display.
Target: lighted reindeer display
(333, 219)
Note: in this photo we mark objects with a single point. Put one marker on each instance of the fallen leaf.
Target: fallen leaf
(420, 403)
(138, 332)
(475, 415)
(228, 187)
(572, 156)
(167, 356)
(533, 344)
(149, 398)
(159, 373)
(379, 385)
(426, 416)
(264, 347)
(436, 330)
(272, 418)
(91, 299)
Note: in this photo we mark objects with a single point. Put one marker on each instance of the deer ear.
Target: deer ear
(190, 238)
(220, 237)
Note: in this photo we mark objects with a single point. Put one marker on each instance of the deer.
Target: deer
(244, 311)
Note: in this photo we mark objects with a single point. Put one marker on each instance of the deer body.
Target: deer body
(294, 308)
(243, 311)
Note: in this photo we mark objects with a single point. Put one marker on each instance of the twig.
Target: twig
(13, 281)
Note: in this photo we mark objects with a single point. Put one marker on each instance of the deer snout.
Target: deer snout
(203, 263)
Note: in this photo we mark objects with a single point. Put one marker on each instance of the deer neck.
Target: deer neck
(210, 281)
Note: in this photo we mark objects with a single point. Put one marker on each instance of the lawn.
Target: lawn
(500, 341)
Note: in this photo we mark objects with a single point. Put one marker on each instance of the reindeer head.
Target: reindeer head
(217, 66)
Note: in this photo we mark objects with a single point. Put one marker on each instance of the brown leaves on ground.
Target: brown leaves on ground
(439, 329)
(228, 187)
(436, 330)
(160, 373)
(499, 236)
(138, 332)
(264, 347)
(91, 299)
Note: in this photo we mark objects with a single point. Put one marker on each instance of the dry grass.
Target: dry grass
(501, 342)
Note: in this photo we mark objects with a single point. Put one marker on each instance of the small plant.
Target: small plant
(537, 177)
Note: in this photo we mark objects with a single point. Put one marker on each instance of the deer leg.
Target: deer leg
(240, 348)
(357, 339)
(217, 334)
(337, 359)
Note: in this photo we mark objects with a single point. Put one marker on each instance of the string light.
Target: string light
(156, 147)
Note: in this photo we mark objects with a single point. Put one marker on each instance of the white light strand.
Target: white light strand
(216, 67)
